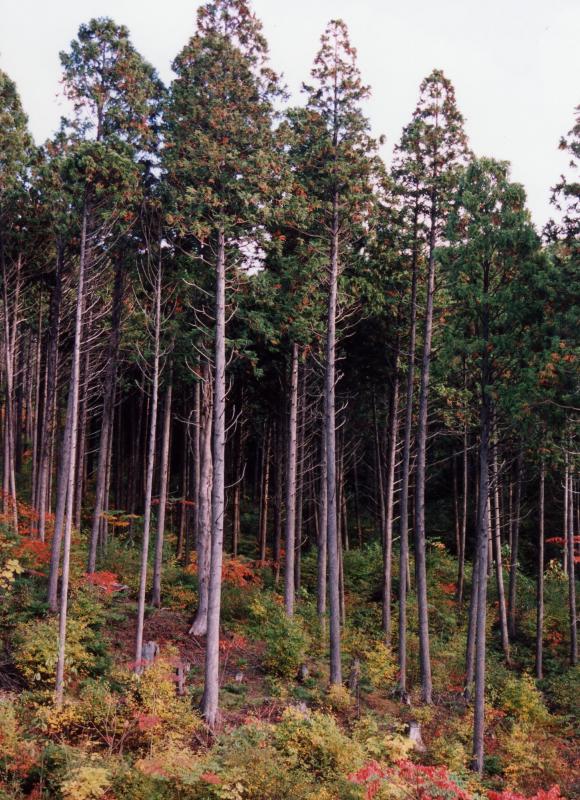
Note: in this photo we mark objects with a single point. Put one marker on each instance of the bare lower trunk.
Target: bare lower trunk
(482, 540)
(278, 502)
(322, 559)
(540, 578)
(388, 534)
(481, 601)
(108, 410)
(237, 498)
(291, 466)
(333, 543)
(163, 480)
(471, 627)
(405, 473)
(572, 575)
(210, 699)
(149, 473)
(420, 479)
(514, 549)
(265, 495)
(463, 531)
(503, 626)
(70, 453)
(199, 626)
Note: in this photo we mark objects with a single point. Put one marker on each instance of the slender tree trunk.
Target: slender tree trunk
(291, 466)
(151, 447)
(199, 626)
(265, 495)
(211, 689)
(196, 467)
(471, 626)
(540, 577)
(515, 547)
(388, 534)
(237, 498)
(420, 479)
(82, 438)
(405, 471)
(379, 473)
(357, 505)
(566, 517)
(278, 501)
(505, 643)
(463, 532)
(70, 442)
(163, 481)
(182, 548)
(572, 575)
(10, 331)
(482, 541)
(333, 543)
(108, 411)
(35, 406)
(322, 560)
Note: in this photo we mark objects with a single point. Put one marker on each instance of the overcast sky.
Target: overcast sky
(515, 64)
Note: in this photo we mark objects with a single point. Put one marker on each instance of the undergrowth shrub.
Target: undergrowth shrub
(563, 691)
(521, 700)
(36, 651)
(314, 741)
(285, 637)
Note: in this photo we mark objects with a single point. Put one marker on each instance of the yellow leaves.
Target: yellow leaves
(86, 783)
(380, 665)
(9, 571)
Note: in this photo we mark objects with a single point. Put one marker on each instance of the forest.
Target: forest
(290, 501)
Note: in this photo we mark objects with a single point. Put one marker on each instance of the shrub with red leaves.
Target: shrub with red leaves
(420, 782)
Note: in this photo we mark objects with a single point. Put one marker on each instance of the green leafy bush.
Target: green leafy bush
(285, 638)
(313, 741)
(36, 651)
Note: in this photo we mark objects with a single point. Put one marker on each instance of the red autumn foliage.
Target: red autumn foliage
(37, 551)
(107, 581)
(542, 794)
(210, 777)
(561, 540)
(429, 783)
(235, 571)
(145, 722)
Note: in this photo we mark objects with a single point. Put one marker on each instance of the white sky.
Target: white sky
(515, 64)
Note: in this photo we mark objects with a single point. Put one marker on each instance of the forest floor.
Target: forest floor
(282, 732)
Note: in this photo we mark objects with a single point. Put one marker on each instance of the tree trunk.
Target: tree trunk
(48, 415)
(540, 577)
(322, 559)
(463, 531)
(388, 533)
(265, 494)
(238, 483)
(278, 501)
(69, 458)
(482, 540)
(505, 643)
(514, 551)
(333, 543)
(291, 465)
(572, 575)
(211, 688)
(421, 470)
(405, 471)
(108, 411)
(163, 481)
(199, 626)
(149, 472)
